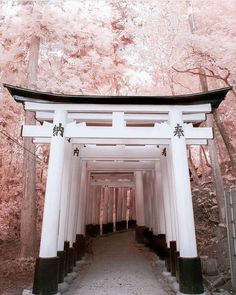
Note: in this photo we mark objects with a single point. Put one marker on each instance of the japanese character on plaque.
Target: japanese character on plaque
(58, 130)
(178, 131)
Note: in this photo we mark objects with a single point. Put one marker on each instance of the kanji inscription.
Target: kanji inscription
(58, 130)
(178, 131)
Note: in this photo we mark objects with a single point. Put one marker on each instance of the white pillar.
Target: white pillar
(49, 236)
(98, 205)
(159, 199)
(89, 198)
(94, 205)
(124, 203)
(184, 206)
(110, 205)
(150, 199)
(78, 181)
(105, 205)
(84, 197)
(132, 205)
(65, 193)
(166, 200)
(114, 190)
(146, 198)
(73, 198)
(139, 199)
(119, 205)
(174, 221)
(82, 201)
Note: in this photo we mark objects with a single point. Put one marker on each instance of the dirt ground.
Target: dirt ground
(15, 273)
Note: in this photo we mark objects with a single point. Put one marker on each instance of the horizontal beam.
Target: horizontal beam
(160, 131)
(120, 141)
(124, 166)
(129, 118)
(104, 108)
(112, 184)
(120, 152)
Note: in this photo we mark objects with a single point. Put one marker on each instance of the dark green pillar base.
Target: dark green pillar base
(71, 258)
(46, 276)
(80, 241)
(148, 238)
(118, 226)
(105, 228)
(177, 265)
(160, 246)
(139, 234)
(167, 261)
(131, 223)
(190, 275)
(173, 258)
(66, 249)
(92, 230)
(123, 225)
(110, 227)
(62, 264)
(75, 253)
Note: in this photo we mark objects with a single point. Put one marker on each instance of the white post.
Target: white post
(65, 193)
(94, 205)
(174, 221)
(139, 199)
(114, 208)
(146, 198)
(124, 203)
(184, 206)
(150, 199)
(105, 205)
(166, 201)
(98, 204)
(189, 264)
(132, 195)
(73, 198)
(153, 204)
(110, 205)
(119, 205)
(82, 201)
(159, 199)
(49, 239)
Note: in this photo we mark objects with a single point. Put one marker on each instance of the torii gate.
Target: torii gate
(85, 132)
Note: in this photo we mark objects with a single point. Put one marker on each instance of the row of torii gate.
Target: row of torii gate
(108, 150)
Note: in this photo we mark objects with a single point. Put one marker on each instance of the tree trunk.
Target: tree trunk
(230, 148)
(193, 169)
(28, 209)
(216, 172)
(205, 157)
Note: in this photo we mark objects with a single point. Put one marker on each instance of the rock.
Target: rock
(210, 267)
(218, 282)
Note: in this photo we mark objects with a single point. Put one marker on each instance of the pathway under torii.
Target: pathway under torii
(110, 153)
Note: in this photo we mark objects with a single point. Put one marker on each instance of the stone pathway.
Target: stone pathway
(119, 267)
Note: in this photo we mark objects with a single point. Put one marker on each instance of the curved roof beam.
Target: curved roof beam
(213, 97)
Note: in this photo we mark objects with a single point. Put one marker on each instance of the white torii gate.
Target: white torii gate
(135, 127)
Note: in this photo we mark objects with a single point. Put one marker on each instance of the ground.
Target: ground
(119, 267)
(15, 273)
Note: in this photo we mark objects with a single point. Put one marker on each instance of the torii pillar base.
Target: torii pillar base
(190, 275)
(46, 276)
(80, 241)
(139, 234)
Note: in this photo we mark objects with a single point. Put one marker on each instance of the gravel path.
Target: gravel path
(118, 267)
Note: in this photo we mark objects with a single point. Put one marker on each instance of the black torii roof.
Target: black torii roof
(214, 97)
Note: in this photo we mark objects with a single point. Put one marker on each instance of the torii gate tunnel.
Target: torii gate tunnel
(103, 146)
